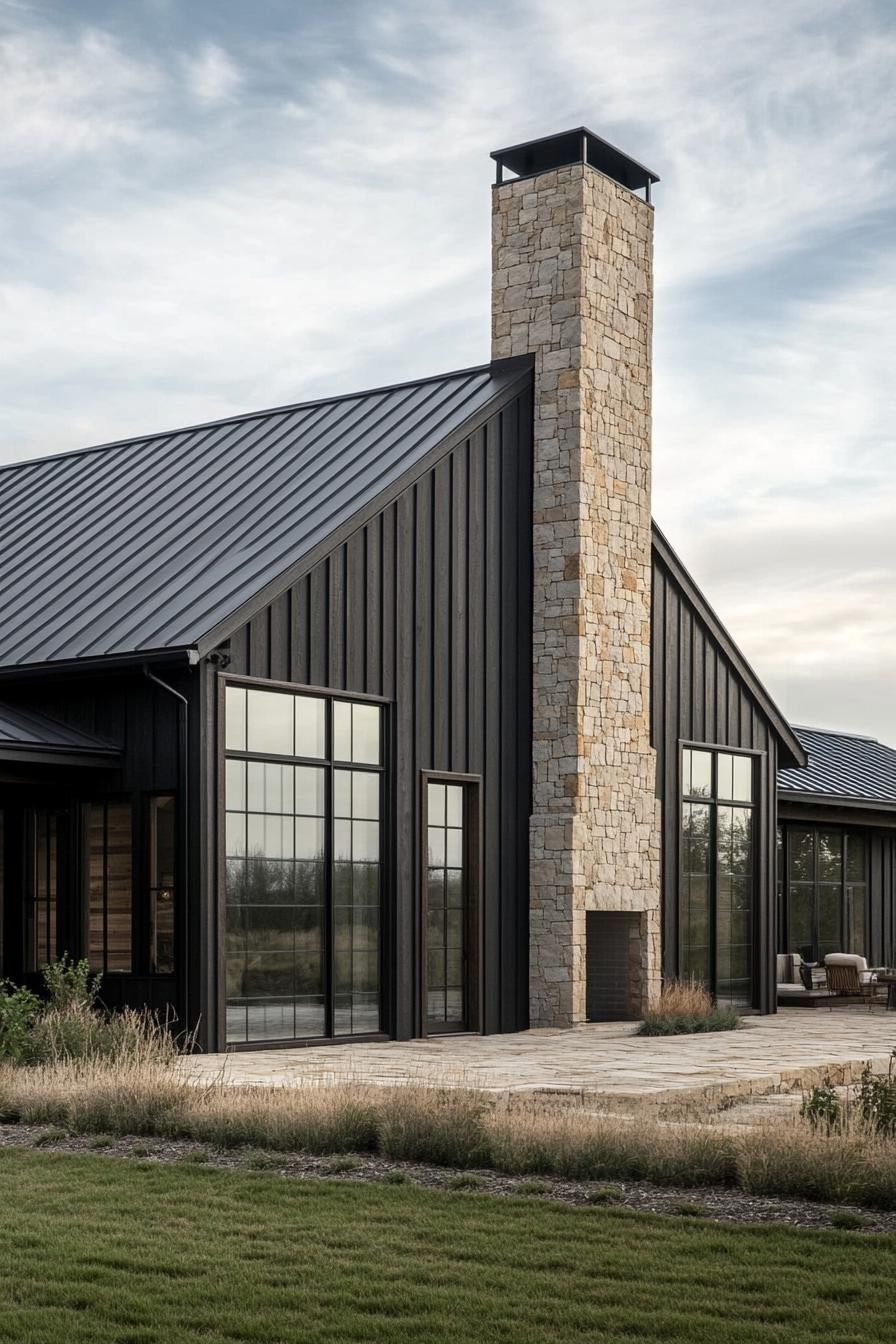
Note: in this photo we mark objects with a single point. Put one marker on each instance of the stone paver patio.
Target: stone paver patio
(768, 1054)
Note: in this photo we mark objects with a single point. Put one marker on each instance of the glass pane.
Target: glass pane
(366, 841)
(454, 805)
(725, 776)
(269, 717)
(235, 834)
(454, 847)
(830, 938)
(235, 718)
(235, 785)
(436, 841)
(110, 891)
(311, 726)
(435, 804)
(342, 731)
(161, 882)
(342, 840)
(309, 838)
(366, 734)
(342, 793)
(855, 919)
(855, 858)
(802, 920)
(743, 779)
(802, 856)
(698, 773)
(365, 795)
(255, 786)
(310, 790)
(830, 856)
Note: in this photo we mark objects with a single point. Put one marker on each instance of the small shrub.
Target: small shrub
(261, 1161)
(876, 1100)
(606, 1194)
(532, 1188)
(102, 1141)
(70, 984)
(198, 1157)
(140, 1150)
(686, 1210)
(52, 1134)
(466, 1180)
(18, 1010)
(395, 1178)
(847, 1221)
(821, 1107)
(685, 1007)
(345, 1162)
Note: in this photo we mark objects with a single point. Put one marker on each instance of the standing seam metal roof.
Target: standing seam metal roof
(148, 544)
(24, 730)
(844, 766)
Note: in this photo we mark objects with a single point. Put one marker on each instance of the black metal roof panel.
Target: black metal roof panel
(23, 731)
(843, 767)
(151, 543)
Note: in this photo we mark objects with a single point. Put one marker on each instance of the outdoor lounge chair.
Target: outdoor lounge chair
(848, 977)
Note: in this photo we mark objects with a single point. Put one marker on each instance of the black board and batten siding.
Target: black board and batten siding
(129, 712)
(428, 605)
(702, 693)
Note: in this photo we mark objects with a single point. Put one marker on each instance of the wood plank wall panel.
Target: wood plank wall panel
(698, 695)
(429, 604)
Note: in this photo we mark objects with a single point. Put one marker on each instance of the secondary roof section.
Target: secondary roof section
(842, 767)
(26, 736)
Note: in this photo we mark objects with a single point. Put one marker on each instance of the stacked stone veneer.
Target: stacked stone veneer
(572, 268)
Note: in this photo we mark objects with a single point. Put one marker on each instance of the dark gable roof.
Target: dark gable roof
(791, 748)
(24, 734)
(155, 543)
(843, 767)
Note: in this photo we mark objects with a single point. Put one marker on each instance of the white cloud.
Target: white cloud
(212, 77)
(314, 217)
(62, 97)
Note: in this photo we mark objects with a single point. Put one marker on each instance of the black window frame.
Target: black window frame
(713, 800)
(329, 764)
(845, 832)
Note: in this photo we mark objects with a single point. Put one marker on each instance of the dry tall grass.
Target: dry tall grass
(147, 1095)
(683, 1007)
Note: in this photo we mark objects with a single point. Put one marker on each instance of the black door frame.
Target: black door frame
(474, 974)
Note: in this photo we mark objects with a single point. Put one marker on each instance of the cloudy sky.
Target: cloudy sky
(211, 206)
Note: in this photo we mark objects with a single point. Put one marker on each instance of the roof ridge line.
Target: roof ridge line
(260, 414)
(838, 732)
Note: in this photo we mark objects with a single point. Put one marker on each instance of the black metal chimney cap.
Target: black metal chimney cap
(576, 146)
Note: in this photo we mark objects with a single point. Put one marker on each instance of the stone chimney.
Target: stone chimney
(572, 254)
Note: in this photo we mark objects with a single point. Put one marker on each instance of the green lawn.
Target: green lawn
(100, 1250)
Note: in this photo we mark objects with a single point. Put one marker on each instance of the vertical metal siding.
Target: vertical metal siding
(697, 695)
(429, 604)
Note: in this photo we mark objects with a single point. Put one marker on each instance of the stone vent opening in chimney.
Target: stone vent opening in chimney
(576, 146)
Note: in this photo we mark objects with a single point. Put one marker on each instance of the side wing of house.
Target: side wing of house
(719, 741)
(414, 629)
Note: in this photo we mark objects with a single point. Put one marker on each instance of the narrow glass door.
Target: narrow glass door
(447, 909)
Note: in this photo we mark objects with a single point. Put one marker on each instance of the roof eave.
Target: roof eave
(806, 796)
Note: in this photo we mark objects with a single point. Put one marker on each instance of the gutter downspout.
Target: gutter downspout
(183, 722)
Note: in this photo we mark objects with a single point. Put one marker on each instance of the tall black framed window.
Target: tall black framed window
(303, 865)
(825, 884)
(110, 886)
(717, 872)
(41, 908)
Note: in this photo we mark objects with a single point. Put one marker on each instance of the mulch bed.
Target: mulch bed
(721, 1204)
